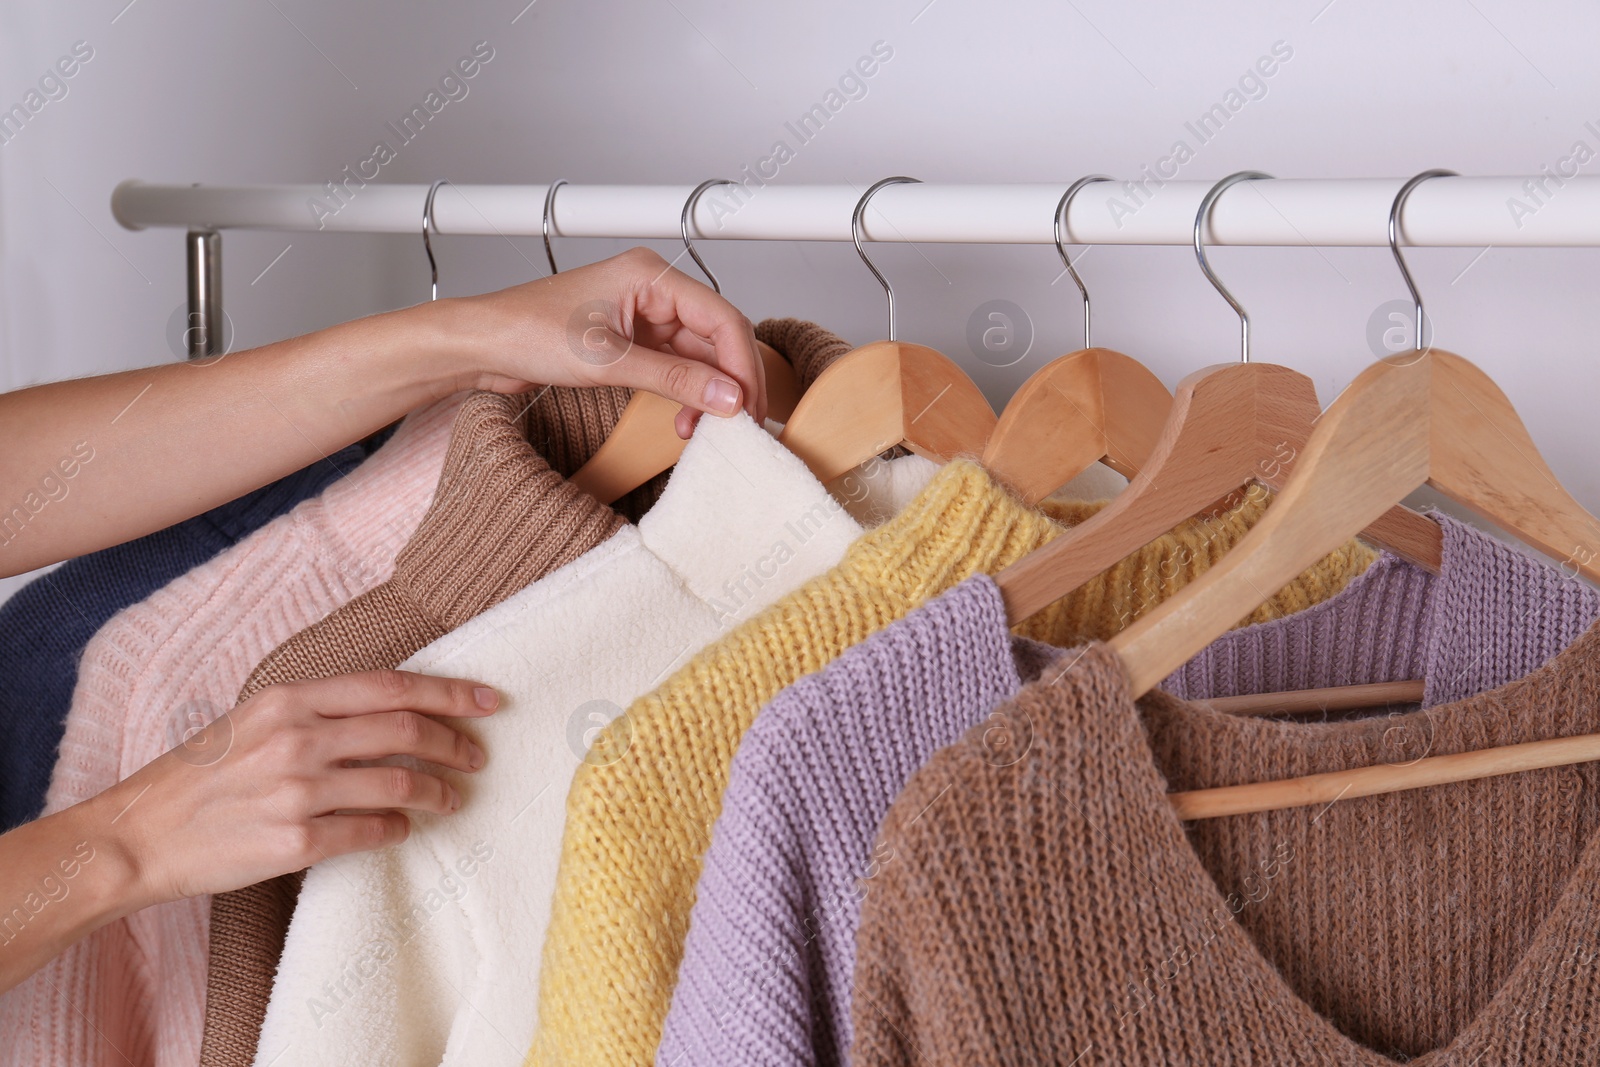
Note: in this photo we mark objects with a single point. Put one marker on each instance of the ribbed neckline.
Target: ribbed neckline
(962, 515)
(1226, 749)
(1491, 614)
(499, 504)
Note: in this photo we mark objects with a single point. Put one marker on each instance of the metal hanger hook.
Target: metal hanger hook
(1202, 217)
(427, 242)
(683, 223)
(855, 233)
(1062, 208)
(1394, 240)
(549, 205)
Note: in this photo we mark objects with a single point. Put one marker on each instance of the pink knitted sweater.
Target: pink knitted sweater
(133, 992)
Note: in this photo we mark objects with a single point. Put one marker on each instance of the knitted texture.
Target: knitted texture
(459, 984)
(567, 426)
(132, 990)
(640, 816)
(765, 977)
(1042, 903)
(809, 348)
(500, 519)
(48, 622)
(477, 545)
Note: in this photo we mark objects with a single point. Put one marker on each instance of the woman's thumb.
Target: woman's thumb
(696, 385)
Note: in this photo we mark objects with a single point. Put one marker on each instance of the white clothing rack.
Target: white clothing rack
(1546, 210)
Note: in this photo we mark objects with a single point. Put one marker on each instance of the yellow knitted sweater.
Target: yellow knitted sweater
(641, 808)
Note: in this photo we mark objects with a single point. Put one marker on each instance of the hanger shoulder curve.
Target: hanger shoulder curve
(1484, 458)
(1378, 446)
(1089, 406)
(1225, 422)
(885, 394)
(645, 441)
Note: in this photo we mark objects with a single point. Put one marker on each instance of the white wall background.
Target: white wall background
(680, 90)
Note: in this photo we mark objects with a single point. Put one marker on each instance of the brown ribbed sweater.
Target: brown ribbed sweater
(1053, 909)
(500, 519)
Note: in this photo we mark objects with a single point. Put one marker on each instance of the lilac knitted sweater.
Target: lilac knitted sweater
(766, 973)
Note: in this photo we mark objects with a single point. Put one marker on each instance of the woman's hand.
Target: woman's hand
(266, 789)
(255, 794)
(631, 320)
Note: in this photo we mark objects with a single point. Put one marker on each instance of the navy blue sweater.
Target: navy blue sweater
(46, 624)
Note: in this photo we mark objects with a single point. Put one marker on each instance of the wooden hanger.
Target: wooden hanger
(1426, 417)
(1333, 698)
(1229, 425)
(1089, 406)
(645, 440)
(885, 394)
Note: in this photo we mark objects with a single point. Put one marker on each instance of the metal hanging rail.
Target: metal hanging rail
(1546, 210)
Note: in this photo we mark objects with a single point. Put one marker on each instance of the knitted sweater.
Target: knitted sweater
(428, 952)
(1049, 906)
(134, 989)
(639, 816)
(50, 620)
(477, 544)
(766, 972)
(164, 667)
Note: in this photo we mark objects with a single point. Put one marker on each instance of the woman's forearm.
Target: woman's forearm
(63, 876)
(97, 461)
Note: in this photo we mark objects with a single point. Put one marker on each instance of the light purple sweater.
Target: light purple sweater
(766, 973)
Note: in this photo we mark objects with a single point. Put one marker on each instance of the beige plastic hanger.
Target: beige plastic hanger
(1230, 425)
(885, 394)
(1089, 406)
(645, 440)
(1426, 417)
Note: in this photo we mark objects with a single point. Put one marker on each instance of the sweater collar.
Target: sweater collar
(1493, 613)
(498, 512)
(738, 512)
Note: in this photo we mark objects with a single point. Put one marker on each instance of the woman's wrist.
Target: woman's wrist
(98, 833)
(68, 874)
(403, 359)
(445, 346)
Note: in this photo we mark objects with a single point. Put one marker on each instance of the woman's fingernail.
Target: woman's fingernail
(485, 697)
(721, 396)
(475, 756)
(455, 800)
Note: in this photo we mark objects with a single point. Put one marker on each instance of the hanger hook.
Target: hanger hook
(855, 233)
(683, 222)
(1202, 217)
(1394, 238)
(1062, 207)
(427, 242)
(549, 205)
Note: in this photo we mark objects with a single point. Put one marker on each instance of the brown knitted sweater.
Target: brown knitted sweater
(501, 519)
(1052, 908)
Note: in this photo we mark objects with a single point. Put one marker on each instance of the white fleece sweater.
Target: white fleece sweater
(428, 952)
